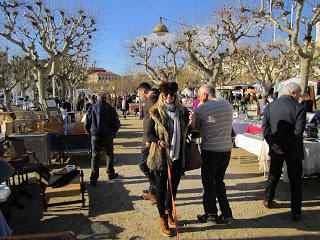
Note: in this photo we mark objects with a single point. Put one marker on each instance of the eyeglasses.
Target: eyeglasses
(172, 94)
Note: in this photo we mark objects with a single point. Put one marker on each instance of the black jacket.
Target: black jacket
(102, 119)
(283, 123)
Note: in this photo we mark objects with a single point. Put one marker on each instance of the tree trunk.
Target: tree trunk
(71, 97)
(305, 65)
(41, 88)
(7, 97)
(62, 92)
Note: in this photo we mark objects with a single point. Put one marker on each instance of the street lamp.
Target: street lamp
(160, 29)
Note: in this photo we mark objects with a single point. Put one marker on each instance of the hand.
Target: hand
(192, 118)
(148, 145)
(163, 144)
(276, 148)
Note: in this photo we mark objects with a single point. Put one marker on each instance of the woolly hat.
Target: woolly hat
(168, 87)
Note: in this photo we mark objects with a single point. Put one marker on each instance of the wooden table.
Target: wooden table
(74, 188)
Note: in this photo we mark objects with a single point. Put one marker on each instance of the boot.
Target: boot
(165, 230)
(171, 219)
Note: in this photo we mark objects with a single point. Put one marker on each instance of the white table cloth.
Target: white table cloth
(259, 147)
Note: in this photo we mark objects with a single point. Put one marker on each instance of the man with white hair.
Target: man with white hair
(213, 118)
(283, 125)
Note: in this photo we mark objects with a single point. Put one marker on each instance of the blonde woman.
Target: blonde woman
(167, 128)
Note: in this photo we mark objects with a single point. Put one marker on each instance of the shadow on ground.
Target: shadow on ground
(103, 199)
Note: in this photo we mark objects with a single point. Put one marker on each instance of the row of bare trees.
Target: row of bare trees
(233, 47)
(54, 47)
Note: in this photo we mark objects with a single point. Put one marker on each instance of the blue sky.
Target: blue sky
(120, 21)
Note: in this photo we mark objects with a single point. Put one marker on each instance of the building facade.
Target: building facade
(99, 74)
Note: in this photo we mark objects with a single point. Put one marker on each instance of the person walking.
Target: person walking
(102, 123)
(145, 92)
(213, 118)
(283, 126)
(167, 128)
(124, 106)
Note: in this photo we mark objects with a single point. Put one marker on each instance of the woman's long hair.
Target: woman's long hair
(161, 104)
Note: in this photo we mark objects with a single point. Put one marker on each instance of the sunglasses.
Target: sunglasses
(172, 94)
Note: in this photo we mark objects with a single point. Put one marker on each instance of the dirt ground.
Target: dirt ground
(114, 209)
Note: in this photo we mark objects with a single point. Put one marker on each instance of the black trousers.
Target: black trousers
(163, 194)
(146, 171)
(99, 143)
(214, 166)
(294, 167)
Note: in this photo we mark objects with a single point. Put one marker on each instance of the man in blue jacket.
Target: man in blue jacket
(283, 125)
(102, 123)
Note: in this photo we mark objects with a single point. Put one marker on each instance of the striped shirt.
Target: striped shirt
(214, 120)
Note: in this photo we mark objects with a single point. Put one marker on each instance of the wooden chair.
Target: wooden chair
(28, 167)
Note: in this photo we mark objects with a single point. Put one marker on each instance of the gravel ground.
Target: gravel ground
(114, 209)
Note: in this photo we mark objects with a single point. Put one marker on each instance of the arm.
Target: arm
(88, 121)
(116, 120)
(267, 133)
(300, 122)
(151, 133)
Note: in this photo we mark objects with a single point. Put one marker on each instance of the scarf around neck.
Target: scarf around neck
(173, 130)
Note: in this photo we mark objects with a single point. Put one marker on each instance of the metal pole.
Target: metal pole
(53, 87)
(291, 20)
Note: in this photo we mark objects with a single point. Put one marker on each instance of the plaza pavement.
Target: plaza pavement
(114, 209)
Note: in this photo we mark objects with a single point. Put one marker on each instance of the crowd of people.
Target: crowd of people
(165, 125)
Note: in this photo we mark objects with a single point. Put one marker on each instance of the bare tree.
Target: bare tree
(44, 37)
(232, 69)
(210, 48)
(13, 71)
(268, 64)
(161, 57)
(289, 19)
(72, 72)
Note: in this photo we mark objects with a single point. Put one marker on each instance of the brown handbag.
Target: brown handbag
(193, 159)
(156, 160)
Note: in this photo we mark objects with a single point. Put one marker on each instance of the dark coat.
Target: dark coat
(102, 119)
(284, 123)
(157, 130)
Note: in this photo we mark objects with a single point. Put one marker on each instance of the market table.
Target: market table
(72, 142)
(240, 127)
(245, 127)
(255, 144)
(38, 143)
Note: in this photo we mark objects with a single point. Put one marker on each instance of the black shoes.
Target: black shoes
(93, 183)
(207, 217)
(214, 218)
(268, 204)
(296, 216)
(224, 220)
(112, 175)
